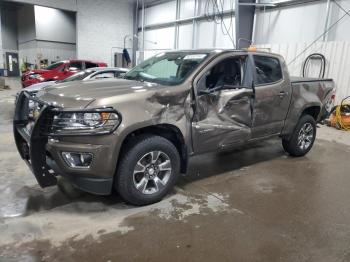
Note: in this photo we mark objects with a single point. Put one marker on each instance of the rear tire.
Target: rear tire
(148, 170)
(302, 138)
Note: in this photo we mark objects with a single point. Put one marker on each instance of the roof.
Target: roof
(80, 60)
(219, 50)
(99, 69)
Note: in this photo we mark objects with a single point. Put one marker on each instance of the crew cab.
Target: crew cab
(136, 134)
(57, 71)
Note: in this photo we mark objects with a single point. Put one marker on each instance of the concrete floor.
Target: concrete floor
(256, 204)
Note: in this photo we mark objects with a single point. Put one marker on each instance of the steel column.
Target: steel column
(244, 16)
(326, 24)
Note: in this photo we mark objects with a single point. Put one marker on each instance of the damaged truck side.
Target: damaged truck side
(136, 134)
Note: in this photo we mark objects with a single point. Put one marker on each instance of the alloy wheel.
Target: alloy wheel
(152, 172)
(305, 136)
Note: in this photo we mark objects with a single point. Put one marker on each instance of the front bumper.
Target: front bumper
(43, 153)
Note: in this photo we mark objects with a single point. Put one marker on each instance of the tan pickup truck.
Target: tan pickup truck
(136, 134)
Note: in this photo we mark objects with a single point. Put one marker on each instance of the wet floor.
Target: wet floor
(253, 204)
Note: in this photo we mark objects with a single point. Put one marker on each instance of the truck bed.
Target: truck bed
(310, 91)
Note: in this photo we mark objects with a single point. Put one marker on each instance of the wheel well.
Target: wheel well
(170, 132)
(313, 111)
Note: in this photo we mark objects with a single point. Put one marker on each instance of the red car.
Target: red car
(57, 71)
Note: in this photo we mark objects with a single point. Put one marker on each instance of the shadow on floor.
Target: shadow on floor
(212, 164)
(35, 199)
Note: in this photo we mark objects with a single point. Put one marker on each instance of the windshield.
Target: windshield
(166, 68)
(54, 66)
(78, 76)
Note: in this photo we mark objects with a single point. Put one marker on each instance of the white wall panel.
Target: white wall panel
(337, 61)
(27, 52)
(206, 7)
(164, 38)
(341, 31)
(185, 36)
(101, 25)
(223, 39)
(187, 8)
(56, 51)
(300, 23)
(160, 13)
(70, 5)
(54, 25)
(205, 35)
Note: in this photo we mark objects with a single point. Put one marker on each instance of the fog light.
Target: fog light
(77, 160)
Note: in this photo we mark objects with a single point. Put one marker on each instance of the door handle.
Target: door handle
(282, 94)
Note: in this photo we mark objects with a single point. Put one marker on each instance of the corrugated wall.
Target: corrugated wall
(337, 56)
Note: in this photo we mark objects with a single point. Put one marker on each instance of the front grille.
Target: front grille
(30, 120)
(28, 111)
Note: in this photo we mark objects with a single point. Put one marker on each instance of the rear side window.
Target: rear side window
(268, 70)
(105, 74)
(90, 65)
(54, 66)
(76, 65)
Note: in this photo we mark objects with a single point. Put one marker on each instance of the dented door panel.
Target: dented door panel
(222, 119)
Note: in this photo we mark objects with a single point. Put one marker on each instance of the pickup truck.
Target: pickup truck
(136, 135)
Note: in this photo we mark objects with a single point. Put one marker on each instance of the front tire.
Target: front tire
(302, 138)
(148, 170)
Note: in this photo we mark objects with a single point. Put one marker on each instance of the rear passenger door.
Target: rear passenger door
(272, 96)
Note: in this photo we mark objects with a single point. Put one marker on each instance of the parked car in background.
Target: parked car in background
(57, 71)
(136, 134)
(91, 73)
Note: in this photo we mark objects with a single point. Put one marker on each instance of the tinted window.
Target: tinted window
(54, 66)
(104, 74)
(268, 70)
(228, 73)
(90, 65)
(77, 65)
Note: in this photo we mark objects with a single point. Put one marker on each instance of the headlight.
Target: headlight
(89, 122)
(35, 76)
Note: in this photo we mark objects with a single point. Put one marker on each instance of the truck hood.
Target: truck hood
(79, 94)
(37, 87)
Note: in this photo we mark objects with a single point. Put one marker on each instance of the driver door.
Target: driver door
(224, 97)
